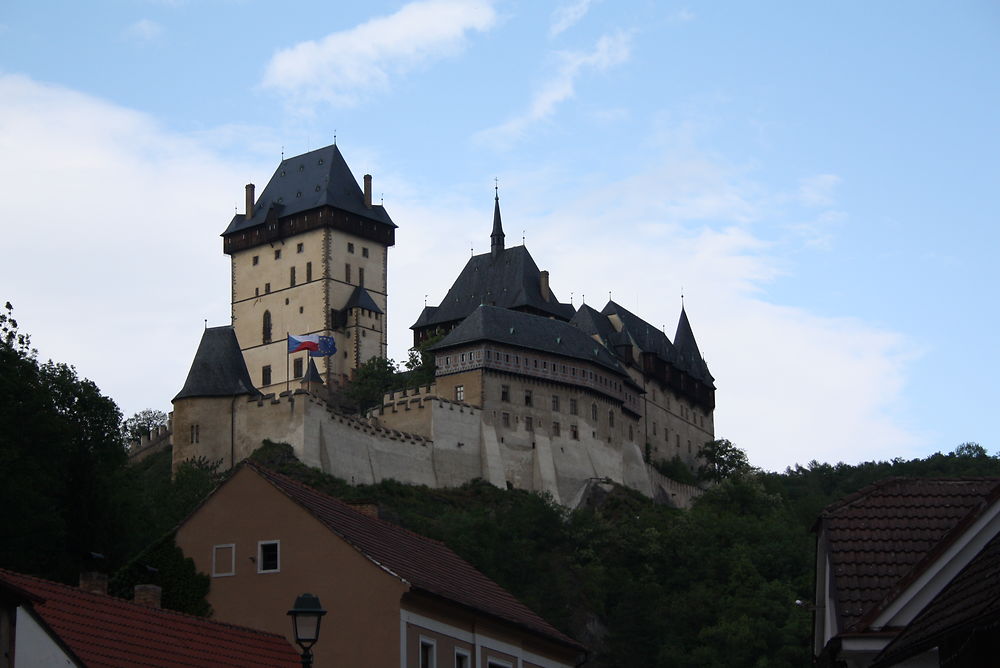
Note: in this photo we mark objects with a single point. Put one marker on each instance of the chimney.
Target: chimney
(544, 285)
(368, 190)
(148, 595)
(249, 213)
(94, 582)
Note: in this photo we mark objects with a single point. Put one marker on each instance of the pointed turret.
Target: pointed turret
(687, 347)
(496, 238)
(312, 381)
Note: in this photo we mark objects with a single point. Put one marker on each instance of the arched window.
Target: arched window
(593, 412)
(266, 333)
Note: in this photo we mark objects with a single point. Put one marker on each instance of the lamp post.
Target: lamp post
(306, 616)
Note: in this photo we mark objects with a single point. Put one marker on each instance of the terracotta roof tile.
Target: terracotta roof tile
(881, 535)
(108, 632)
(970, 601)
(425, 564)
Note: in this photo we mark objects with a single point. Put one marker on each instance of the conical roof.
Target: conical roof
(687, 348)
(218, 369)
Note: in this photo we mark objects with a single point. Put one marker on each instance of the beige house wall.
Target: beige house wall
(361, 627)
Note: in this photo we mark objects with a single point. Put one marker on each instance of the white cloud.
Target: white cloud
(567, 15)
(144, 30)
(682, 16)
(610, 50)
(818, 190)
(344, 66)
(112, 256)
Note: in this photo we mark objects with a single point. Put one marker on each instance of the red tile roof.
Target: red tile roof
(425, 564)
(969, 602)
(885, 534)
(107, 632)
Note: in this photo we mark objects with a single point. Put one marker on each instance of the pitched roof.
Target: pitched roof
(104, 631)
(687, 349)
(218, 369)
(500, 325)
(309, 181)
(510, 280)
(971, 601)
(426, 565)
(887, 532)
(361, 298)
(589, 321)
(312, 373)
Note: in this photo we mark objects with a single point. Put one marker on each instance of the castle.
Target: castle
(529, 392)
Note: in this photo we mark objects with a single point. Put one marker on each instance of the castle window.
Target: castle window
(309, 271)
(529, 423)
(297, 367)
(291, 276)
(555, 402)
(299, 248)
(347, 273)
(267, 288)
(256, 292)
(654, 429)
(555, 429)
(572, 407)
(266, 327)
(268, 556)
(361, 276)
(505, 393)
(505, 419)
(277, 253)
(593, 412)
(689, 446)
(527, 397)
(265, 375)
(350, 248)
(256, 259)
(677, 438)
(460, 393)
(574, 433)
(611, 418)
(195, 433)
(364, 252)
(630, 435)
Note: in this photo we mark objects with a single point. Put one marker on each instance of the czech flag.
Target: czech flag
(318, 346)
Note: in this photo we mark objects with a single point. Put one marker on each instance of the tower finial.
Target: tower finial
(282, 152)
(335, 136)
(497, 237)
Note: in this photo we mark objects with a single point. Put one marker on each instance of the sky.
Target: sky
(819, 181)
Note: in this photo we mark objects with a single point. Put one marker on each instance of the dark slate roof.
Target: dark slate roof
(510, 280)
(312, 373)
(360, 298)
(590, 322)
(524, 330)
(218, 369)
(106, 632)
(426, 565)
(687, 349)
(970, 602)
(309, 181)
(885, 534)
(650, 339)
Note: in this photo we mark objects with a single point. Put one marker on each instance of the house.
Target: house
(394, 598)
(896, 567)
(45, 624)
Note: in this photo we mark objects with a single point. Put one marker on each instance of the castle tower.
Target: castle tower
(309, 257)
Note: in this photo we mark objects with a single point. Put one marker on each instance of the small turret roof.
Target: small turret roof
(497, 236)
(309, 181)
(687, 349)
(218, 369)
(361, 298)
(312, 373)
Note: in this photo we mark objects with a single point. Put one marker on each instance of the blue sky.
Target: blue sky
(820, 181)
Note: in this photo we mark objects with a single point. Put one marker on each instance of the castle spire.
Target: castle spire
(496, 238)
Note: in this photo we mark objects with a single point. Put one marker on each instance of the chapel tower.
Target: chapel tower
(309, 257)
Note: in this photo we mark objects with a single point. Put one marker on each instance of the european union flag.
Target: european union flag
(327, 346)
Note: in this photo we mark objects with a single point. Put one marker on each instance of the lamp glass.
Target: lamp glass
(306, 617)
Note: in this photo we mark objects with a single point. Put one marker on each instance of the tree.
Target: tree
(419, 364)
(970, 449)
(371, 380)
(142, 423)
(722, 460)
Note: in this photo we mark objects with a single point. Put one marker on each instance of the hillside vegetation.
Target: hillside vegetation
(640, 584)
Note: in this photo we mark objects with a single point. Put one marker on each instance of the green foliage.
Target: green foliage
(675, 469)
(184, 589)
(419, 365)
(63, 465)
(142, 423)
(720, 460)
(371, 380)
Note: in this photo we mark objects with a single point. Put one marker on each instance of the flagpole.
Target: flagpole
(287, 355)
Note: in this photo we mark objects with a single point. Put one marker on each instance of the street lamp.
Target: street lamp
(306, 616)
